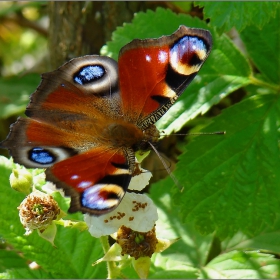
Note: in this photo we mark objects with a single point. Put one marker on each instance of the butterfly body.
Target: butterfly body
(87, 119)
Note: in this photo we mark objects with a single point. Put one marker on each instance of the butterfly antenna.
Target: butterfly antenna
(175, 180)
(197, 133)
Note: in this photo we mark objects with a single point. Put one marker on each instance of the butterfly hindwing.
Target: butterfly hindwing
(33, 144)
(96, 180)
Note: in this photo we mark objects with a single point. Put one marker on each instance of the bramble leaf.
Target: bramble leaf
(74, 253)
(232, 182)
(242, 265)
(263, 47)
(226, 15)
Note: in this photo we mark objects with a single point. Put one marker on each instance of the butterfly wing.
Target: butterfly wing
(98, 179)
(73, 104)
(82, 88)
(154, 72)
(66, 114)
(67, 111)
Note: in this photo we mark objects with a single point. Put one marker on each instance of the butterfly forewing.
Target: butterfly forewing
(154, 72)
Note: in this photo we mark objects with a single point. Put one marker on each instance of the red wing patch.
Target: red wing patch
(96, 180)
(142, 74)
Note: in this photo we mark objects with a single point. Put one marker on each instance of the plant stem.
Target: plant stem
(261, 83)
(111, 266)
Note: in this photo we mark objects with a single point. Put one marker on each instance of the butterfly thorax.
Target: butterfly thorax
(151, 136)
(118, 134)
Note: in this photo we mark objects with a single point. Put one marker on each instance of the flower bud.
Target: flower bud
(21, 180)
(37, 211)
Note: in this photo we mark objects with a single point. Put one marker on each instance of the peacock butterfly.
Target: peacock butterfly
(87, 119)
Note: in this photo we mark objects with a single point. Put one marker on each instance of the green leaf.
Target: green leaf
(6, 275)
(28, 273)
(9, 201)
(238, 14)
(185, 6)
(263, 47)
(15, 92)
(225, 71)
(267, 240)
(242, 265)
(168, 268)
(74, 253)
(10, 259)
(232, 182)
(192, 248)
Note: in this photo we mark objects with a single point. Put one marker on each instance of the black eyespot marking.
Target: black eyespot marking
(160, 99)
(89, 74)
(41, 156)
(121, 180)
(177, 81)
(195, 60)
(119, 165)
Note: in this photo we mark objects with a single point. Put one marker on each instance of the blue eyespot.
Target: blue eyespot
(189, 50)
(91, 198)
(89, 74)
(41, 156)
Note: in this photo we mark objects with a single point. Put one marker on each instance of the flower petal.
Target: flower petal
(50, 188)
(136, 211)
(139, 182)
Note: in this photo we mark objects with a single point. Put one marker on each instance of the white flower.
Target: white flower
(139, 182)
(136, 211)
(50, 188)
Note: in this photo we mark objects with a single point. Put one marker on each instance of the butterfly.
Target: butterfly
(87, 119)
